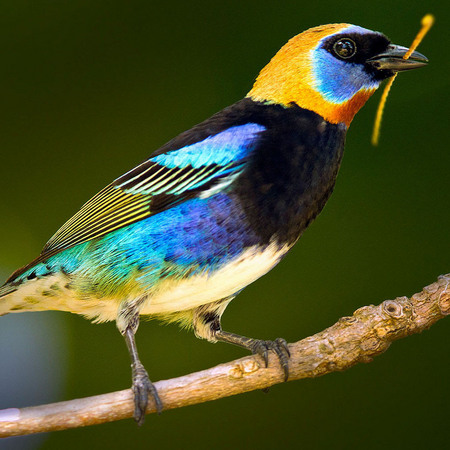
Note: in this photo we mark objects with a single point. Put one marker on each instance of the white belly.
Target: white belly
(167, 297)
(209, 287)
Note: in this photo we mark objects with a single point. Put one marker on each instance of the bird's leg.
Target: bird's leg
(207, 326)
(141, 384)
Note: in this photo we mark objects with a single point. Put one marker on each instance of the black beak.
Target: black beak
(392, 59)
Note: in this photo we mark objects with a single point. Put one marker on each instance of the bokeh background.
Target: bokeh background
(91, 88)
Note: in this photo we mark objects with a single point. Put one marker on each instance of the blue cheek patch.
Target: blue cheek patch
(226, 147)
(338, 81)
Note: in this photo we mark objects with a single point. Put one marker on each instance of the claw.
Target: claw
(282, 343)
(259, 347)
(142, 388)
(283, 353)
(279, 347)
(265, 355)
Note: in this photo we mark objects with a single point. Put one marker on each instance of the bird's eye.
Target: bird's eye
(344, 48)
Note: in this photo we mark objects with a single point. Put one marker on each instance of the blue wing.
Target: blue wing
(197, 170)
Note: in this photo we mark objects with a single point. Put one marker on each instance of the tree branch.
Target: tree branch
(358, 338)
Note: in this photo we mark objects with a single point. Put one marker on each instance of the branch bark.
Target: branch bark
(354, 339)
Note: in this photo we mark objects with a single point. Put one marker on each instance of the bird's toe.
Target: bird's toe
(142, 388)
(279, 346)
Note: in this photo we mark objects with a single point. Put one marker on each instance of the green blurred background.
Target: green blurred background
(91, 88)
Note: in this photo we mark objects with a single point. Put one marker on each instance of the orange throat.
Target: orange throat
(313, 101)
(345, 112)
(298, 91)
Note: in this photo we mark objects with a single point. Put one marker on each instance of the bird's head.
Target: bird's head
(331, 70)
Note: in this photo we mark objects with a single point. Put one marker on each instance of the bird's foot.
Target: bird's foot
(278, 346)
(142, 388)
(259, 347)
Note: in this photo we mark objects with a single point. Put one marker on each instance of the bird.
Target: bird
(181, 234)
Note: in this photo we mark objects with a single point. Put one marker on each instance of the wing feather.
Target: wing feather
(159, 183)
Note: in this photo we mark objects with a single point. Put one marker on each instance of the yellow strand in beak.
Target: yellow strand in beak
(427, 23)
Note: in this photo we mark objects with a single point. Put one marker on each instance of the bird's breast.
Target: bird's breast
(292, 173)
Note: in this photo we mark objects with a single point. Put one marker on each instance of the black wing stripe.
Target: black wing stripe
(138, 171)
(157, 172)
(181, 176)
